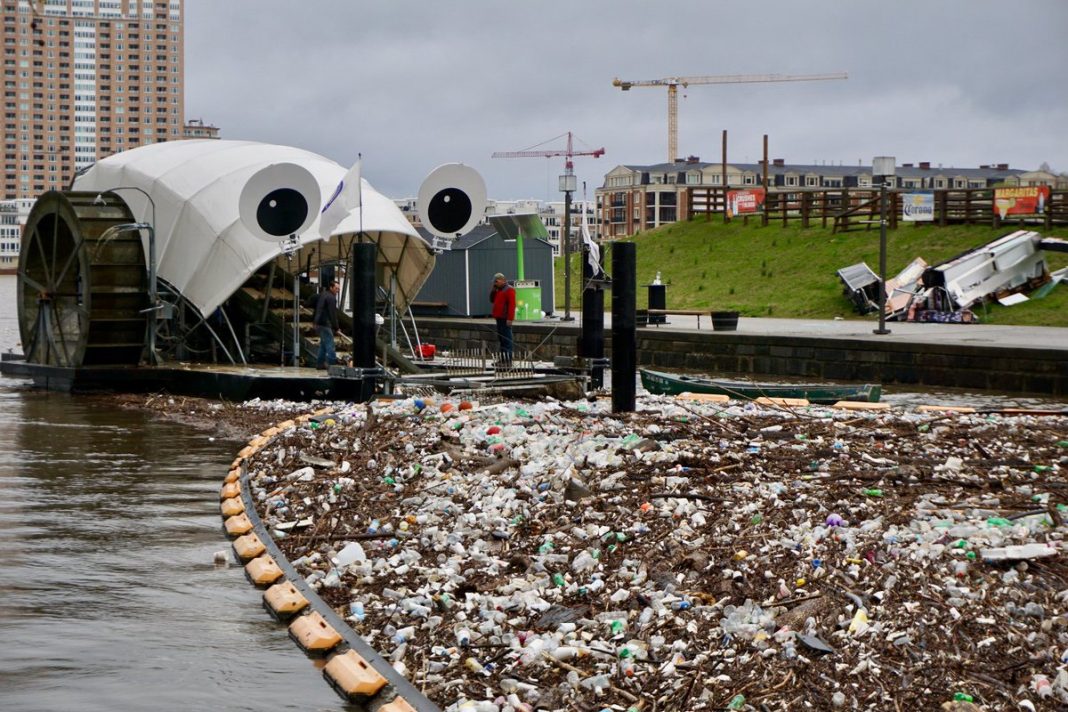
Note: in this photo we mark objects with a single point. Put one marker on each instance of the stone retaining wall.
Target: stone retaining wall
(1000, 369)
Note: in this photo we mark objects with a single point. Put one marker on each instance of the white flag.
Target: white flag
(593, 254)
(347, 197)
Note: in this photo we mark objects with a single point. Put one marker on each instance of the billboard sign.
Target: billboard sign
(917, 207)
(1030, 200)
(745, 202)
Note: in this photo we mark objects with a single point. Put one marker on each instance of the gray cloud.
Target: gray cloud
(415, 84)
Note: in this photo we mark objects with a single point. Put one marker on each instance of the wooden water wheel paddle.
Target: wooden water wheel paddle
(82, 282)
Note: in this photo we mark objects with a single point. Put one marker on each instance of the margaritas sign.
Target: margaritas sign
(744, 202)
(1021, 201)
(917, 207)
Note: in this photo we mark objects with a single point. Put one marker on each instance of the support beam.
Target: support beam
(363, 311)
(624, 336)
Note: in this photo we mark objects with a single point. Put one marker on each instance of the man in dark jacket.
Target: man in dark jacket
(327, 325)
(502, 296)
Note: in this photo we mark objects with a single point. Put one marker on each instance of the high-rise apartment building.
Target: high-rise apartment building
(84, 79)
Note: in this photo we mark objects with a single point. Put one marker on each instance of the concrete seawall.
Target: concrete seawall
(1024, 360)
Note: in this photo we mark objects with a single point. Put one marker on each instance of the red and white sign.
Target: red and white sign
(1021, 201)
(744, 202)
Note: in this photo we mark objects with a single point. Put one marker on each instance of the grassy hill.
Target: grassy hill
(790, 272)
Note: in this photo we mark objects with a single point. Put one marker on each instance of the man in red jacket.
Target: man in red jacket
(502, 296)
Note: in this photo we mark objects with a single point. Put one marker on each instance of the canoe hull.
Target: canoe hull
(824, 393)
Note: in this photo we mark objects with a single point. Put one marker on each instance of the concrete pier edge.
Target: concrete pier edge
(1001, 359)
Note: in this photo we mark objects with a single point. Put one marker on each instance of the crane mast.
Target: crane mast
(673, 84)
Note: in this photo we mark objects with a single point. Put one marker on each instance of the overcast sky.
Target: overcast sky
(414, 84)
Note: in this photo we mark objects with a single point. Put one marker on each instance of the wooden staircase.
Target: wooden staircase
(265, 306)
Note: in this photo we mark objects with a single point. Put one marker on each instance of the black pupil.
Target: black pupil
(282, 212)
(449, 210)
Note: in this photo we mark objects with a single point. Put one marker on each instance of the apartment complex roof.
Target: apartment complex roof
(828, 169)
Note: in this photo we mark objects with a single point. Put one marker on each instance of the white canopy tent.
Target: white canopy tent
(204, 250)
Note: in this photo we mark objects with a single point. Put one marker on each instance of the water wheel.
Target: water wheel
(82, 282)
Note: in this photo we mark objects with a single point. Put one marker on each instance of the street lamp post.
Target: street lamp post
(568, 184)
(882, 171)
(153, 281)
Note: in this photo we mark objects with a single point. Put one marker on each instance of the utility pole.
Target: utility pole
(568, 183)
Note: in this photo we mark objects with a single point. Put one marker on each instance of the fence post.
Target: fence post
(806, 198)
(846, 205)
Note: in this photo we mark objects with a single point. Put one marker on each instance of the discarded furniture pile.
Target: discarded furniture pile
(1006, 270)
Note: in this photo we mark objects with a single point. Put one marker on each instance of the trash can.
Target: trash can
(724, 320)
(657, 300)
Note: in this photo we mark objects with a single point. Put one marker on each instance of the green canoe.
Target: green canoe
(672, 384)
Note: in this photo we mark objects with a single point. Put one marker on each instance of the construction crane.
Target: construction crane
(569, 152)
(673, 84)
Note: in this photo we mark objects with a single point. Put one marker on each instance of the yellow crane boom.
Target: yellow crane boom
(673, 84)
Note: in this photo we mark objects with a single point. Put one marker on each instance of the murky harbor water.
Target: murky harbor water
(109, 599)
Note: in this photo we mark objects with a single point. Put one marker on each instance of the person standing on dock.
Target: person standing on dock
(326, 323)
(502, 296)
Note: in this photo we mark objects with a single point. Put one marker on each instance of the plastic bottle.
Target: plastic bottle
(737, 702)
(583, 562)
(565, 652)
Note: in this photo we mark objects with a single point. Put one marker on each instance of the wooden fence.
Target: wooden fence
(852, 208)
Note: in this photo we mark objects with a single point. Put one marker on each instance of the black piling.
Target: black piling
(363, 312)
(591, 341)
(624, 335)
